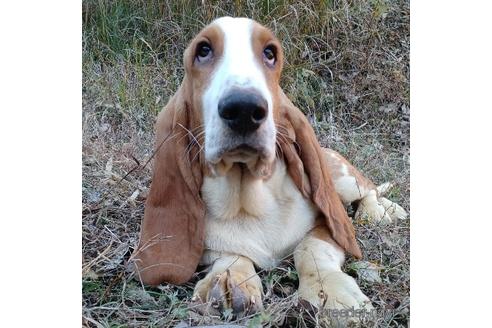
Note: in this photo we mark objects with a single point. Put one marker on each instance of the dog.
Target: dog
(241, 182)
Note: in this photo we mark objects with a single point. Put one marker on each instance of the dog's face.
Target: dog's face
(235, 66)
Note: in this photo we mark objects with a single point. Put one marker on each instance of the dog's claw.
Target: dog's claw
(239, 301)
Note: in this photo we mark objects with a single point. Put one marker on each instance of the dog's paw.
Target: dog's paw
(395, 211)
(379, 209)
(229, 290)
(333, 291)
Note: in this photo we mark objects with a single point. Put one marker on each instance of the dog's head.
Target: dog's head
(233, 69)
(229, 109)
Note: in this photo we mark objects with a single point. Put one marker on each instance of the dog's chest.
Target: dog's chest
(263, 220)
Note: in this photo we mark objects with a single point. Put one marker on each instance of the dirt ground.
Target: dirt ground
(347, 68)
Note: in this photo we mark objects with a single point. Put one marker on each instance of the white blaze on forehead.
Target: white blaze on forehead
(238, 67)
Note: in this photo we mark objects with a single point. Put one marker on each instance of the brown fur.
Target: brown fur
(335, 164)
(171, 240)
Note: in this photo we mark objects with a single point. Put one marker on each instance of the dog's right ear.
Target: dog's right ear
(172, 231)
(304, 157)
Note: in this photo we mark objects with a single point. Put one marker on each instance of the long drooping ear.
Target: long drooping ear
(303, 155)
(172, 231)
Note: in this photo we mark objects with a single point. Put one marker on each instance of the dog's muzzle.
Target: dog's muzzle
(245, 134)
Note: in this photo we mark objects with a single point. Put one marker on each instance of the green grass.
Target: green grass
(338, 53)
(347, 68)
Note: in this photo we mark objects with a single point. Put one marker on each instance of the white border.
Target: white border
(450, 163)
(40, 133)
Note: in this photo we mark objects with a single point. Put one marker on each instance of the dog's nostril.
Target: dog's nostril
(228, 113)
(259, 114)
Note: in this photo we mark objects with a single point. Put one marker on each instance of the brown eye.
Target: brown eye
(269, 55)
(203, 51)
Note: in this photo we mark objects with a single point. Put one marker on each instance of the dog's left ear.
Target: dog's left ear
(172, 231)
(303, 155)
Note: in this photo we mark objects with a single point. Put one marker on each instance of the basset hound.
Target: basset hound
(240, 182)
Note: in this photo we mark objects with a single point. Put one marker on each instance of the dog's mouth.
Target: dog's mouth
(256, 158)
(242, 153)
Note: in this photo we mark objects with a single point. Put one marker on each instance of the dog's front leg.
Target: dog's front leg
(232, 283)
(322, 283)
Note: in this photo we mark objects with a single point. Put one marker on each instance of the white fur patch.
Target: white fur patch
(348, 189)
(344, 169)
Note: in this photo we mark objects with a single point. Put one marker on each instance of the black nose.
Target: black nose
(243, 111)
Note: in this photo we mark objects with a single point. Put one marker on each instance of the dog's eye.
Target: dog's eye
(203, 52)
(269, 55)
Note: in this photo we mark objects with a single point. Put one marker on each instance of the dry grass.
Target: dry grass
(347, 68)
